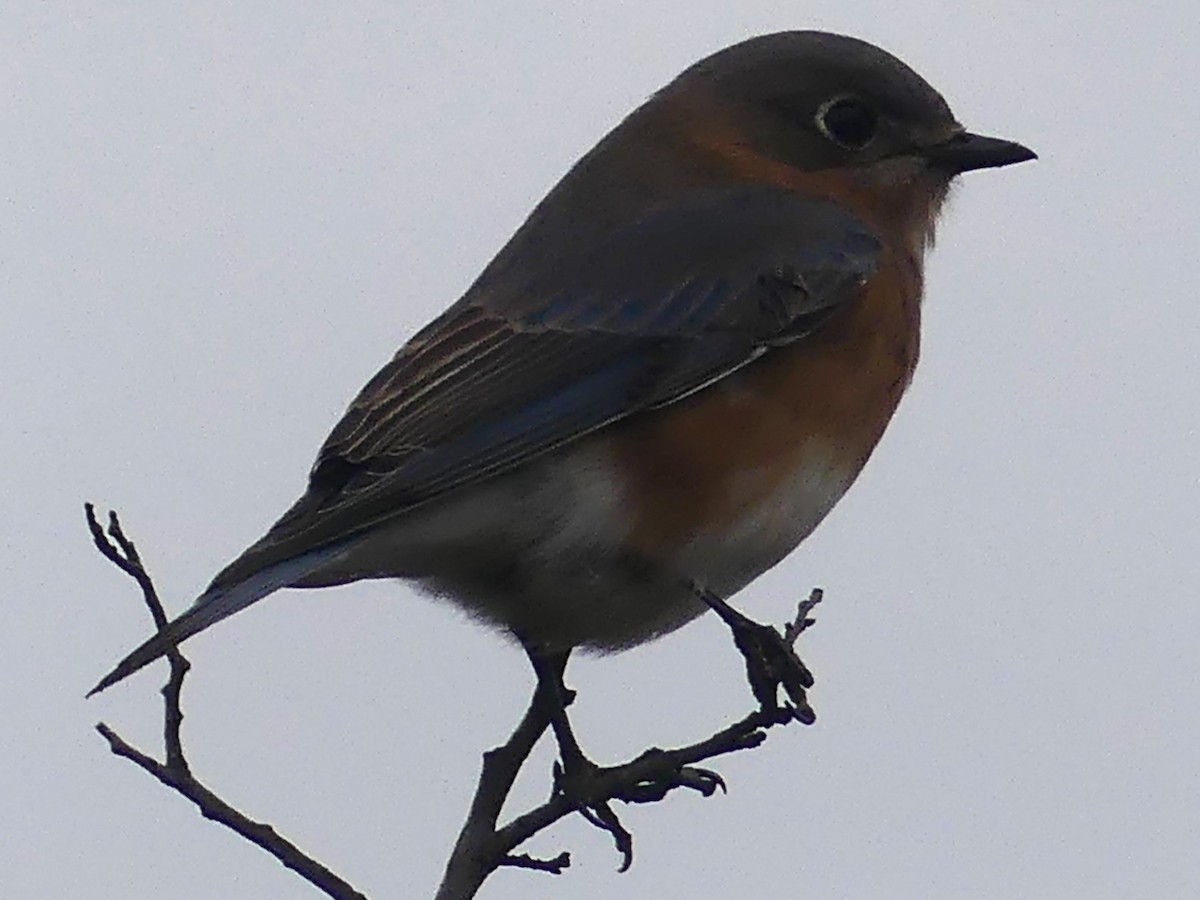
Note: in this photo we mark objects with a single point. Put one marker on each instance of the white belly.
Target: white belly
(728, 560)
(542, 552)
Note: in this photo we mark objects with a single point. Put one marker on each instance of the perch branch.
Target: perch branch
(483, 845)
(175, 772)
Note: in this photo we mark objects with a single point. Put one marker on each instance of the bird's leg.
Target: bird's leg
(771, 660)
(549, 668)
(589, 787)
(577, 777)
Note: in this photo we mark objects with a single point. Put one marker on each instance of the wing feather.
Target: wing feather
(545, 349)
(542, 354)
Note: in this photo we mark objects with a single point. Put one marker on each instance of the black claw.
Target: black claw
(714, 781)
(803, 713)
(577, 784)
(606, 819)
(702, 781)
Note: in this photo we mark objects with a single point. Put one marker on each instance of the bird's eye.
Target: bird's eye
(847, 122)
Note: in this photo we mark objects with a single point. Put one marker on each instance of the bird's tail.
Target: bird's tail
(219, 602)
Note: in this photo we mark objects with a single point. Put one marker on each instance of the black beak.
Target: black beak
(966, 151)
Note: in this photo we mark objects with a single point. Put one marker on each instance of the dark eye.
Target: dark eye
(847, 122)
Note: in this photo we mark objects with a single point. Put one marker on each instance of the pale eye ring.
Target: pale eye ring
(847, 121)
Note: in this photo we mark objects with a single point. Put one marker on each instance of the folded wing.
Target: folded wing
(545, 349)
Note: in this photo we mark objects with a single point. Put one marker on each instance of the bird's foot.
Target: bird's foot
(662, 773)
(576, 778)
(590, 789)
(582, 783)
(772, 663)
(771, 660)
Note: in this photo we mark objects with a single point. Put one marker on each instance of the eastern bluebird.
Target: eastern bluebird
(664, 381)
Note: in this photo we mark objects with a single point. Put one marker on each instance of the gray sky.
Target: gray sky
(220, 219)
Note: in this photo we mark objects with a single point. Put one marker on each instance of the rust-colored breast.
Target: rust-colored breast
(704, 464)
(784, 436)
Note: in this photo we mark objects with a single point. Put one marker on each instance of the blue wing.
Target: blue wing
(547, 347)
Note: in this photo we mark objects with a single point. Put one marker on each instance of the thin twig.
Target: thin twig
(175, 772)
(801, 623)
(213, 807)
(554, 866)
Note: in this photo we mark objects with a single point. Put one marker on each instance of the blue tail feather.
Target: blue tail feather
(217, 603)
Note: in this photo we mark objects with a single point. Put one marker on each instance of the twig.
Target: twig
(175, 772)
(554, 866)
(801, 623)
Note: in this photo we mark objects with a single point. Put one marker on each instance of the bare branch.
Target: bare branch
(477, 853)
(213, 807)
(175, 772)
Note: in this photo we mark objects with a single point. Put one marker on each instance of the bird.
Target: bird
(663, 382)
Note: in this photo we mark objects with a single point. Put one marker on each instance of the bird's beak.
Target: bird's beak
(966, 151)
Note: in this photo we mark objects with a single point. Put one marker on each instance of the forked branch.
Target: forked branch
(484, 844)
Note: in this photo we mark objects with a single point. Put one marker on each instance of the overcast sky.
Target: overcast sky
(220, 219)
